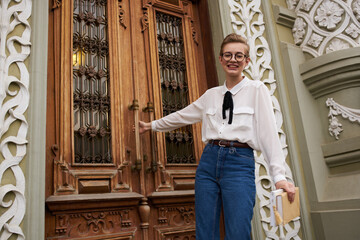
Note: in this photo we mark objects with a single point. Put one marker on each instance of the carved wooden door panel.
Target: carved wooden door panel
(112, 63)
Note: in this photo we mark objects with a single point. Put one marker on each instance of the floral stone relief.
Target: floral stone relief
(329, 14)
(326, 25)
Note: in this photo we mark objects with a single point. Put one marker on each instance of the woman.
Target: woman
(236, 118)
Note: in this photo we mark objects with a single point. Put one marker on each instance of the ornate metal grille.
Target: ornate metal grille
(174, 87)
(92, 133)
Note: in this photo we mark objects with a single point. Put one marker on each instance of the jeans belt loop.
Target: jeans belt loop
(220, 144)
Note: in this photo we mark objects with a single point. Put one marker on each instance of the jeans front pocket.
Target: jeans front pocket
(244, 153)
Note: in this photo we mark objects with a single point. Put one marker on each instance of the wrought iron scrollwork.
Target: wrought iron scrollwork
(91, 98)
(174, 85)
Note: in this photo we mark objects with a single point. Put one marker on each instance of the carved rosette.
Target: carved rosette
(247, 20)
(14, 101)
(325, 26)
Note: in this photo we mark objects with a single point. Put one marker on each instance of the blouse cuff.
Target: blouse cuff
(153, 126)
(278, 178)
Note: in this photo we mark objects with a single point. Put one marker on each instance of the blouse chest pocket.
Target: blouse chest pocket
(210, 117)
(243, 117)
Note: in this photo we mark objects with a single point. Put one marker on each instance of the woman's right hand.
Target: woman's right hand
(144, 126)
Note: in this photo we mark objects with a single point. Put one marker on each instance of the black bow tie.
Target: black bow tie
(228, 104)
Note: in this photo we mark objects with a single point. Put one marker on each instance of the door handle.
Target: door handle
(138, 163)
(153, 165)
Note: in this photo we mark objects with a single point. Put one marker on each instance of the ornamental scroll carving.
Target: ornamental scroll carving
(93, 223)
(176, 216)
(335, 109)
(176, 222)
(56, 4)
(14, 101)
(247, 20)
(145, 20)
(326, 26)
(121, 14)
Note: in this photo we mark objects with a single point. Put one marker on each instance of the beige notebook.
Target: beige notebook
(286, 211)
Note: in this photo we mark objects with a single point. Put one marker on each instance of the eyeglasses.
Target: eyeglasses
(239, 57)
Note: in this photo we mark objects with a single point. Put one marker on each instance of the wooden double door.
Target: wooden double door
(111, 64)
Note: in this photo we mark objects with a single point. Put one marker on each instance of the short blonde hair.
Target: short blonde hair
(233, 37)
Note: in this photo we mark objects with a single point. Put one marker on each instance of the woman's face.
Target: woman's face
(232, 67)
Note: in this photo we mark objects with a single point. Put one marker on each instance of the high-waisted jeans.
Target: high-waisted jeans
(225, 178)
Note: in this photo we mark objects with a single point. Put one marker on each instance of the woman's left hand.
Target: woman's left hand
(288, 187)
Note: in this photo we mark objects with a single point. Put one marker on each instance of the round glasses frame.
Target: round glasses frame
(239, 57)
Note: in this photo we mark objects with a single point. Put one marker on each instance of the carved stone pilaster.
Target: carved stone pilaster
(15, 48)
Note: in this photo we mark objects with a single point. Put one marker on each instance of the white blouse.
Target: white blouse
(253, 121)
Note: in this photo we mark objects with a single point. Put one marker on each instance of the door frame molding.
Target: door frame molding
(35, 169)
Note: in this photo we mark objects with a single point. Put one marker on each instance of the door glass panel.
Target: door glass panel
(174, 85)
(92, 133)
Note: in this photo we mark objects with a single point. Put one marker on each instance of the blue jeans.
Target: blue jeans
(225, 178)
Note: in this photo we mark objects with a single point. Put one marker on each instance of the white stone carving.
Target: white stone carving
(356, 9)
(14, 101)
(299, 30)
(247, 20)
(307, 4)
(315, 40)
(326, 20)
(335, 127)
(337, 44)
(352, 31)
(329, 14)
(292, 4)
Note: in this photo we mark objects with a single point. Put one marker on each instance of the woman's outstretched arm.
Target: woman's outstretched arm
(144, 126)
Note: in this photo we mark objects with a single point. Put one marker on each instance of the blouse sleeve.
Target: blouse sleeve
(267, 135)
(186, 116)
